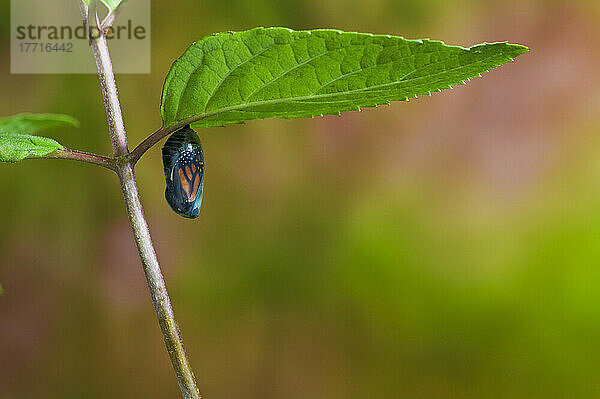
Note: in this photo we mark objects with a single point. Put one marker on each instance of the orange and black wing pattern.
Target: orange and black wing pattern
(183, 161)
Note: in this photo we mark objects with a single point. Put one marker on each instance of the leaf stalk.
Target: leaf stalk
(100, 160)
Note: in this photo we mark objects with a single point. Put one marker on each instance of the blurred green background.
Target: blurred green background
(445, 247)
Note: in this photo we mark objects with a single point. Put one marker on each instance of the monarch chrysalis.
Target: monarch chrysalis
(183, 162)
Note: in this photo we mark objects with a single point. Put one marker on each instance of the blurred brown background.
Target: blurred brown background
(445, 247)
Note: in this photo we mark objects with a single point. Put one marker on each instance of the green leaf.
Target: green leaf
(279, 73)
(27, 123)
(16, 141)
(110, 4)
(16, 147)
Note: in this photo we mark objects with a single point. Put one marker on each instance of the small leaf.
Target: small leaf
(16, 141)
(276, 72)
(110, 4)
(27, 123)
(16, 147)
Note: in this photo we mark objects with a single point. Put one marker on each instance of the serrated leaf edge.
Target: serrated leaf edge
(240, 107)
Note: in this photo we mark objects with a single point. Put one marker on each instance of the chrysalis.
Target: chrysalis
(183, 162)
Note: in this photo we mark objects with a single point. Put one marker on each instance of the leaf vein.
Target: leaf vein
(211, 95)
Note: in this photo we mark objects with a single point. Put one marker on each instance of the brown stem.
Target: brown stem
(148, 143)
(65, 153)
(155, 137)
(125, 170)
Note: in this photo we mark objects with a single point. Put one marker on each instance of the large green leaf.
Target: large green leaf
(276, 72)
(16, 141)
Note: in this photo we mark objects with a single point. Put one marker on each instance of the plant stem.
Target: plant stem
(155, 137)
(65, 153)
(156, 284)
(125, 171)
(145, 145)
(110, 95)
